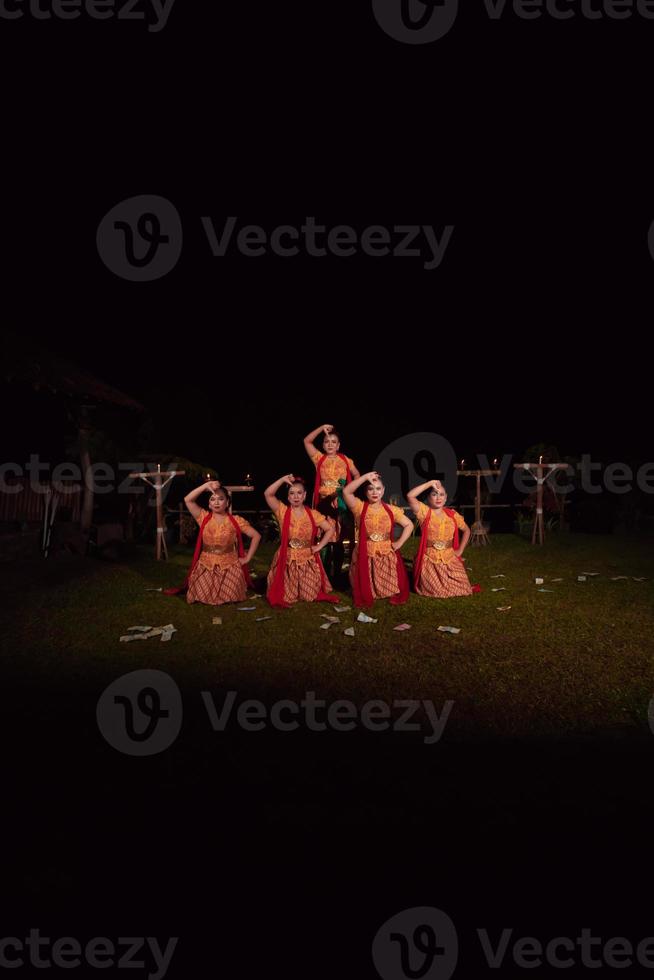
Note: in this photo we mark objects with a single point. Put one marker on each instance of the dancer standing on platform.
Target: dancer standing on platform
(333, 472)
(377, 570)
(296, 573)
(219, 572)
(438, 570)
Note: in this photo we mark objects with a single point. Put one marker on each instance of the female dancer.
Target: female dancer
(296, 573)
(219, 572)
(332, 467)
(438, 570)
(377, 570)
(333, 472)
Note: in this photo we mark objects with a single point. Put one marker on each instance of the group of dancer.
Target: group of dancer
(220, 574)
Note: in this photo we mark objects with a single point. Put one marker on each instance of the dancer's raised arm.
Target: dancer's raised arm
(309, 443)
(412, 495)
(350, 490)
(190, 498)
(271, 493)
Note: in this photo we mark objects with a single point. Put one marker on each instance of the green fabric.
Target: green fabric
(340, 503)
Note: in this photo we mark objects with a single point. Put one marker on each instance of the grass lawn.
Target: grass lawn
(547, 742)
(572, 661)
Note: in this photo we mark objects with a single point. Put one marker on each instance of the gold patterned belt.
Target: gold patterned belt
(218, 549)
(298, 543)
(332, 484)
(376, 536)
(441, 545)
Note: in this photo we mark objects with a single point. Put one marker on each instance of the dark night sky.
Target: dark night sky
(530, 330)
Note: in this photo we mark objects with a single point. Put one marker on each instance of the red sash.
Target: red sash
(198, 550)
(361, 585)
(276, 590)
(422, 548)
(316, 486)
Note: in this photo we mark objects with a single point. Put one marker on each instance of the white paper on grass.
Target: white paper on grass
(362, 618)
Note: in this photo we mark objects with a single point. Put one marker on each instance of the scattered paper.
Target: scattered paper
(362, 618)
(325, 626)
(642, 579)
(401, 627)
(581, 578)
(245, 608)
(503, 608)
(619, 578)
(330, 619)
(217, 621)
(148, 632)
(498, 576)
(590, 574)
(342, 608)
(556, 580)
(449, 629)
(500, 589)
(546, 590)
(155, 590)
(349, 632)
(539, 581)
(262, 619)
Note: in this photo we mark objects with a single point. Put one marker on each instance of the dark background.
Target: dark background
(532, 138)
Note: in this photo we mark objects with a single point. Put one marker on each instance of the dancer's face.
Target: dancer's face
(331, 445)
(375, 491)
(436, 499)
(218, 502)
(296, 495)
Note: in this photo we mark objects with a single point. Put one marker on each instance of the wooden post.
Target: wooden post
(158, 481)
(161, 537)
(541, 468)
(478, 533)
